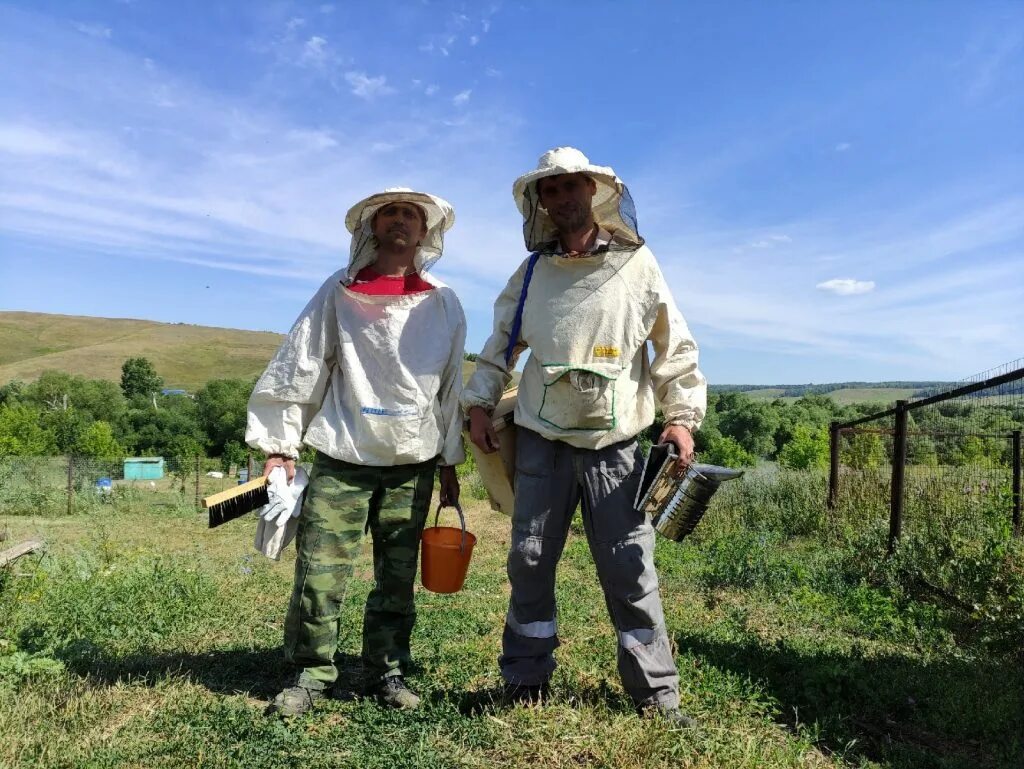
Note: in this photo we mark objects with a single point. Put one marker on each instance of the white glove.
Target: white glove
(285, 498)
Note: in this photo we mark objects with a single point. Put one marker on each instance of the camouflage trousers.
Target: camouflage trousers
(343, 501)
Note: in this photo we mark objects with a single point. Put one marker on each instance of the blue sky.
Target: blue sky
(835, 191)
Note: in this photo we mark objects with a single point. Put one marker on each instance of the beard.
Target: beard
(571, 218)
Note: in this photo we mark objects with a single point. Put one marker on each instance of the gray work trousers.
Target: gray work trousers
(552, 477)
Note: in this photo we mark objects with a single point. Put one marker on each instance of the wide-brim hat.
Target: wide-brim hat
(612, 205)
(439, 214)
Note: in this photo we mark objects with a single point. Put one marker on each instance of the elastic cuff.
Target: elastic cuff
(689, 424)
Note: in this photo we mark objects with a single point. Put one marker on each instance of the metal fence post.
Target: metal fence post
(833, 464)
(899, 464)
(71, 483)
(1015, 442)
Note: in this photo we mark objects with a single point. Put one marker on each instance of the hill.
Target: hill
(188, 356)
(185, 356)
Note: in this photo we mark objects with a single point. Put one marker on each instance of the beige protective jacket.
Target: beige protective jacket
(372, 380)
(589, 380)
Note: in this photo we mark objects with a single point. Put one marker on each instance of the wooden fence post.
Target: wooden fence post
(198, 470)
(899, 465)
(1015, 463)
(833, 464)
(71, 483)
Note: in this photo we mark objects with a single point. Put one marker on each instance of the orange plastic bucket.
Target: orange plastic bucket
(445, 555)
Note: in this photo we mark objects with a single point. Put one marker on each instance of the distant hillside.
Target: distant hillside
(842, 392)
(188, 356)
(185, 356)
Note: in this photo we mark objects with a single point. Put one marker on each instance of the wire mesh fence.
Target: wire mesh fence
(52, 486)
(947, 463)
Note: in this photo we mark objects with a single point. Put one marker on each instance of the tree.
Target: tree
(725, 451)
(139, 378)
(750, 424)
(97, 441)
(21, 434)
(221, 407)
(234, 453)
(11, 392)
(65, 426)
(153, 431)
(808, 448)
(863, 451)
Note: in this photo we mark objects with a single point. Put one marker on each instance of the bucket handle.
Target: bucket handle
(462, 521)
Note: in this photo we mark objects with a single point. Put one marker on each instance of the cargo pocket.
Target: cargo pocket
(579, 397)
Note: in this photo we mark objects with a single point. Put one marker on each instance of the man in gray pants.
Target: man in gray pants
(586, 302)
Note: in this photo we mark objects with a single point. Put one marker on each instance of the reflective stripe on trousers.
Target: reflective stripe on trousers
(552, 477)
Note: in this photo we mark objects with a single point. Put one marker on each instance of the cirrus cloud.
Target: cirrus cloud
(847, 286)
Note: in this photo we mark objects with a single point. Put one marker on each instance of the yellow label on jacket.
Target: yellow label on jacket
(604, 351)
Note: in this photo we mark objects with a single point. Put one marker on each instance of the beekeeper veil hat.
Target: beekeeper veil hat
(439, 214)
(612, 205)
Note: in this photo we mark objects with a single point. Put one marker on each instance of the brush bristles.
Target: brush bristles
(238, 506)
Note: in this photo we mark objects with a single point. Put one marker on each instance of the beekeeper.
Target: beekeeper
(370, 377)
(586, 302)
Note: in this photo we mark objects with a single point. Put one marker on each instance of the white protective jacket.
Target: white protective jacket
(372, 380)
(589, 380)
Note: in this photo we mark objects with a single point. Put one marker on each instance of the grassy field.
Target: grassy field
(185, 356)
(142, 639)
(844, 397)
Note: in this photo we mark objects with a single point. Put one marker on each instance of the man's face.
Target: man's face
(399, 224)
(567, 198)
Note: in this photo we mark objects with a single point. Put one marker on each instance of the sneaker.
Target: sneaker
(673, 717)
(393, 692)
(525, 694)
(294, 701)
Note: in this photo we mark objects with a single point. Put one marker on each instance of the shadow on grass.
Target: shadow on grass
(909, 713)
(259, 673)
(473, 703)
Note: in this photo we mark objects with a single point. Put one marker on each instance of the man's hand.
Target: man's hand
(276, 460)
(683, 441)
(481, 431)
(449, 487)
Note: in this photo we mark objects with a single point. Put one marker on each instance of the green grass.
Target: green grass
(844, 397)
(184, 355)
(140, 638)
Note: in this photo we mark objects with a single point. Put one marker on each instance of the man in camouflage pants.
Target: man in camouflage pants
(370, 377)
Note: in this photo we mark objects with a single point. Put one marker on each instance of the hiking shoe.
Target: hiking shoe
(294, 701)
(393, 692)
(525, 694)
(674, 718)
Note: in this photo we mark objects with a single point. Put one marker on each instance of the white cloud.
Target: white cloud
(294, 24)
(314, 52)
(431, 89)
(366, 87)
(473, 39)
(492, 72)
(24, 140)
(843, 146)
(847, 286)
(770, 241)
(94, 30)
(327, 8)
(462, 97)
